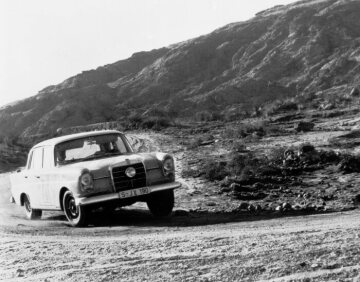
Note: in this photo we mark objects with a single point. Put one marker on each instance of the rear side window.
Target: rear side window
(37, 159)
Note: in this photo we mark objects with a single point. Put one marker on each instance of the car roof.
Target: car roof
(60, 139)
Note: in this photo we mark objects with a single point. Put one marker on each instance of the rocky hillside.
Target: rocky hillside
(305, 47)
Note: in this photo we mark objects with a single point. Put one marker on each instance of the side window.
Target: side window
(30, 160)
(37, 159)
(48, 159)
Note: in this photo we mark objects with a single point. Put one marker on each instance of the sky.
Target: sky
(43, 42)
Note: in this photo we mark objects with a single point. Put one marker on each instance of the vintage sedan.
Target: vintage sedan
(78, 172)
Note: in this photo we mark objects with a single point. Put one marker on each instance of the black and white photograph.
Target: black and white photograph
(179, 140)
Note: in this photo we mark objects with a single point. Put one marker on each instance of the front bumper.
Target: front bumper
(115, 196)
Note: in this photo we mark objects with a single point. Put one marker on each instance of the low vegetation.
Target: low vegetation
(283, 161)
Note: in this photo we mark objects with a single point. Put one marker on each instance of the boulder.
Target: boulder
(235, 187)
(181, 212)
(243, 206)
(279, 208)
(251, 208)
(355, 92)
(286, 206)
(304, 126)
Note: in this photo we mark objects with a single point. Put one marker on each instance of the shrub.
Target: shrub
(155, 123)
(245, 164)
(279, 106)
(203, 116)
(244, 130)
(307, 148)
(350, 163)
(208, 116)
(239, 147)
(215, 170)
(137, 121)
(329, 156)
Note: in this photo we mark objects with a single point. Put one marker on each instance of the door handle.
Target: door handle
(26, 176)
(37, 176)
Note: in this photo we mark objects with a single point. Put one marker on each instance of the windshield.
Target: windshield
(90, 148)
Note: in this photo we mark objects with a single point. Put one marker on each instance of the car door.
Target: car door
(50, 186)
(33, 178)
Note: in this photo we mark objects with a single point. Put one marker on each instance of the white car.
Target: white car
(78, 172)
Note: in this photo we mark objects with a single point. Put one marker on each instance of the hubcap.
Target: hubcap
(72, 209)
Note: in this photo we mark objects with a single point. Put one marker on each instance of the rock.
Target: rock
(258, 208)
(350, 164)
(20, 272)
(235, 187)
(328, 106)
(286, 206)
(251, 208)
(59, 131)
(279, 208)
(331, 266)
(243, 206)
(181, 212)
(225, 190)
(314, 265)
(356, 199)
(211, 204)
(307, 148)
(355, 92)
(304, 126)
(310, 207)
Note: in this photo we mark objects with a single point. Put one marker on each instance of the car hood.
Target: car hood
(150, 160)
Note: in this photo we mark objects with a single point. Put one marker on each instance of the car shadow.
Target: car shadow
(143, 218)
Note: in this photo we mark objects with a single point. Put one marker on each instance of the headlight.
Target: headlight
(86, 182)
(168, 165)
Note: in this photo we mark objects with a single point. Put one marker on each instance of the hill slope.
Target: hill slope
(304, 47)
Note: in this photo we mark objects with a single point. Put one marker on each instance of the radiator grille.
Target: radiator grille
(122, 182)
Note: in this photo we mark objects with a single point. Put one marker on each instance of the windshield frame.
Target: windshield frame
(128, 147)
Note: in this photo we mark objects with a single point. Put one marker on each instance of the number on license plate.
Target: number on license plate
(134, 192)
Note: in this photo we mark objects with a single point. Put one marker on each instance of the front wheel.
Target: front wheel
(76, 215)
(30, 212)
(161, 203)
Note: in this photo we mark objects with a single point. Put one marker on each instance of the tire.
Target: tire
(30, 212)
(161, 203)
(76, 215)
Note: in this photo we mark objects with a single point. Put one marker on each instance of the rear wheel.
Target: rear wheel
(30, 212)
(161, 203)
(76, 215)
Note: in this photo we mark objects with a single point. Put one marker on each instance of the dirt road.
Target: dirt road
(132, 246)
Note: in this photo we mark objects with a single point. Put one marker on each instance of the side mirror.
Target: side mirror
(19, 170)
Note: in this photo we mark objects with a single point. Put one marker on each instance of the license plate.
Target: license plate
(134, 192)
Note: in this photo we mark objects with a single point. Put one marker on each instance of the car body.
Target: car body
(77, 172)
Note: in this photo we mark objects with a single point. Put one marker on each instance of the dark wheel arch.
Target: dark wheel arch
(63, 190)
(29, 211)
(22, 198)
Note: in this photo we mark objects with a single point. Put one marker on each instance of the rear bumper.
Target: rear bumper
(115, 196)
